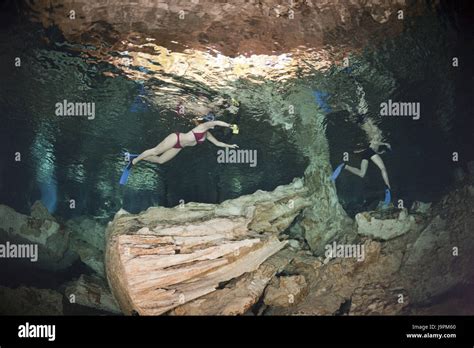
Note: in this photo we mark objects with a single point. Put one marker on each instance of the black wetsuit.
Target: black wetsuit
(368, 153)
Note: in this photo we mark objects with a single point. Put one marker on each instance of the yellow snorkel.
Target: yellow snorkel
(235, 128)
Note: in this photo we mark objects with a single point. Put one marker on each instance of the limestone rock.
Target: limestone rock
(88, 230)
(89, 255)
(430, 262)
(331, 286)
(239, 295)
(420, 207)
(324, 220)
(122, 212)
(91, 292)
(88, 241)
(377, 300)
(43, 230)
(30, 301)
(286, 291)
(166, 257)
(396, 274)
(39, 211)
(294, 244)
(209, 22)
(440, 257)
(371, 225)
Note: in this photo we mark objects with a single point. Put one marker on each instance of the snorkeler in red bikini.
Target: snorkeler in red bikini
(175, 142)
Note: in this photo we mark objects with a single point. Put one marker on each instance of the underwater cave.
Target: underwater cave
(198, 157)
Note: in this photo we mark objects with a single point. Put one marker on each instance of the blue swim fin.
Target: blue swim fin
(388, 197)
(128, 168)
(337, 171)
(125, 174)
(320, 98)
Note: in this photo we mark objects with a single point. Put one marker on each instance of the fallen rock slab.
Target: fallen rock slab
(89, 255)
(341, 286)
(87, 230)
(240, 294)
(166, 257)
(286, 291)
(39, 229)
(91, 292)
(420, 207)
(441, 257)
(377, 226)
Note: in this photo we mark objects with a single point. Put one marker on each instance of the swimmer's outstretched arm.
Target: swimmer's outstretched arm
(211, 124)
(216, 142)
(378, 143)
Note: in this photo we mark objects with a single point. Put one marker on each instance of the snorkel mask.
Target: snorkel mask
(209, 117)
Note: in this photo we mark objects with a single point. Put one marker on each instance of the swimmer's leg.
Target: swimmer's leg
(165, 145)
(165, 157)
(379, 163)
(360, 172)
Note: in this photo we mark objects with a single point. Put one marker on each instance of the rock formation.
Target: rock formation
(203, 259)
(385, 228)
(238, 296)
(343, 282)
(398, 274)
(90, 291)
(39, 229)
(441, 257)
(285, 291)
(166, 257)
(88, 241)
(259, 27)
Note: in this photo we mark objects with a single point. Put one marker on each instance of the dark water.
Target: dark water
(80, 159)
(415, 66)
(75, 158)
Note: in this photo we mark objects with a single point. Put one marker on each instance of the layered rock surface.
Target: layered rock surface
(387, 228)
(239, 295)
(234, 27)
(441, 257)
(92, 292)
(202, 259)
(88, 241)
(231, 259)
(398, 274)
(166, 257)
